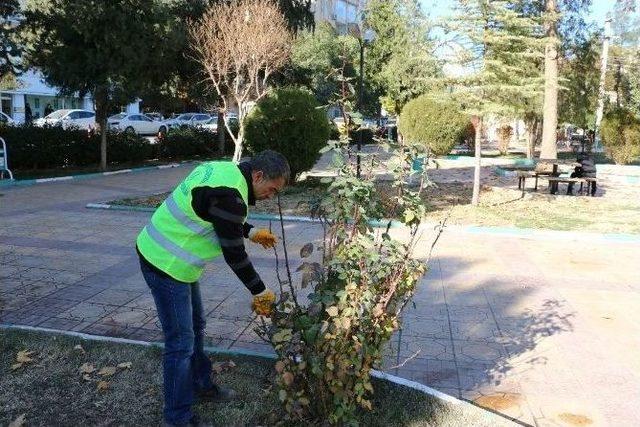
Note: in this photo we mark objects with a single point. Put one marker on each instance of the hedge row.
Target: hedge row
(32, 148)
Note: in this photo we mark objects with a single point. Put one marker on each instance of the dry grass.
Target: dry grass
(50, 390)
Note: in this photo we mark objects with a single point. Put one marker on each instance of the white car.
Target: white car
(138, 123)
(80, 119)
(187, 120)
(211, 125)
(6, 120)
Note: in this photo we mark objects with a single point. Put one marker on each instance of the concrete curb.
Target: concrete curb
(255, 216)
(374, 373)
(27, 182)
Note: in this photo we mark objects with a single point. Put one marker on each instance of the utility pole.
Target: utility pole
(603, 74)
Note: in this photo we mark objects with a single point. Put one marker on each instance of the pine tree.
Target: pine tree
(499, 50)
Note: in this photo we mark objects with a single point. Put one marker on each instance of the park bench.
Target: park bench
(4, 167)
(589, 181)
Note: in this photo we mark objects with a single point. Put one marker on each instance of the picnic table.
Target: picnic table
(550, 168)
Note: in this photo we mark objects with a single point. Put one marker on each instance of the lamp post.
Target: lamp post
(363, 40)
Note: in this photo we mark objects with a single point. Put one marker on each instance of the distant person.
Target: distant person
(28, 115)
(48, 110)
(587, 169)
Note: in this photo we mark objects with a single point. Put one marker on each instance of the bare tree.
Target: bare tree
(240, 45)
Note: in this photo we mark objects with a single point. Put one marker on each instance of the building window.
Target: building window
(36, 102)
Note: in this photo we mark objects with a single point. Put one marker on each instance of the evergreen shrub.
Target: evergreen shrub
(289, 121)
(437, 126)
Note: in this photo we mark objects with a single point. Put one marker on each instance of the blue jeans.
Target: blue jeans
(186, 368)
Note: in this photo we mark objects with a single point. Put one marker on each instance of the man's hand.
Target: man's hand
(263, 236)
(263, 302)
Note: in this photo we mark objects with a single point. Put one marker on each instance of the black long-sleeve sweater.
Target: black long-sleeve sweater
(224, 208)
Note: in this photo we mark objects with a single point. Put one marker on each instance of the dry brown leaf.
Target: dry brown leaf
(18, 422)
(102, 386)
(279, 366)
(107, 371)
(124, 365)
(79, 348)
(24, 356)
(287, 377)
(16, 366)
(87, 368)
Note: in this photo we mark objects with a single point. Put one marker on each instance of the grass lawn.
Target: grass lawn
(50, 389)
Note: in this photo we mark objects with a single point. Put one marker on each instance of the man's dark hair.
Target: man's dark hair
(272, 164)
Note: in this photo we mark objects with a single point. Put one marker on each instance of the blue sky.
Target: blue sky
(438, 8)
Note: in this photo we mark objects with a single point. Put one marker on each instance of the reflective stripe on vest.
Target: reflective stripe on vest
(181, 217)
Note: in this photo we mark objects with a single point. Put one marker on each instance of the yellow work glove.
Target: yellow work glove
(262, 236)
(262, 303)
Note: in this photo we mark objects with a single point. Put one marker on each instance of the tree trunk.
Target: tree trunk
(476, 173)
(237, 151)
(550, 110)
(221, 133)
(532, 124)
(100, 99)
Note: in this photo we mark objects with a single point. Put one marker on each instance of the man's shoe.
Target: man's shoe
(193, 422)
(217, 394)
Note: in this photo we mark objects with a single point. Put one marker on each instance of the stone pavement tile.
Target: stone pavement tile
(38, 289)
(425, 327)
(114, 297)
(149, 335)
(222, 328)
(29, 319)
(47, 306)
(486, 330)
(63, 324)
(9, 284)
(479, 351)
(75, 293)
(144, 301)
(109, 330)
(234, 310)
(432, 372)
(8, 271)
(10, 302)
(87, 312)
(426, 348)
(128, 317)
(469, 313)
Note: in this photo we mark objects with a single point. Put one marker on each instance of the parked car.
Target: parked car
(81, 119)
(6, 120)
(138, 123)
(210, 125)
(186, 120)
(155, 116)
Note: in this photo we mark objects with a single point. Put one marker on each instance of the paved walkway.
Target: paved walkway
(546, 331)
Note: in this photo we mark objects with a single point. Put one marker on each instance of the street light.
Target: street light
(363, 40)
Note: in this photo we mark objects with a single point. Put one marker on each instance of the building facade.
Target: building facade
(341, 14)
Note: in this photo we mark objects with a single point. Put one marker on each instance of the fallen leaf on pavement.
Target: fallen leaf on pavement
(23, 356)
(18, 422)
(86, 377)
(87, 368)
(124, 365)
(102, 386)
(16, 366)
(107, 371)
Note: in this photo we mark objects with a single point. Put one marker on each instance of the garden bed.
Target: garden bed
(499, 207)
(72, 381)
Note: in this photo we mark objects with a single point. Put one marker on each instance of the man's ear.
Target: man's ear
(257, 176)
